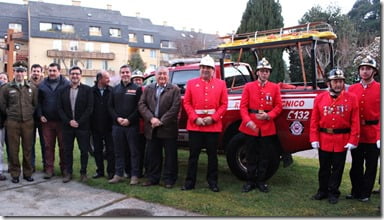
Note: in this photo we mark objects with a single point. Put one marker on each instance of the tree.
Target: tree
(365, 14)
(264, 15)
(344, 44)
(136, 62)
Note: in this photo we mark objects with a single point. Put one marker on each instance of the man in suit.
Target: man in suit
(75, 106)
(159, 105)
(101, 126)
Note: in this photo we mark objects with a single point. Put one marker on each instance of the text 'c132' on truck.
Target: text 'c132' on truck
(314, 40)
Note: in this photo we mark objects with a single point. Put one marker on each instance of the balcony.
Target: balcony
(80, 55)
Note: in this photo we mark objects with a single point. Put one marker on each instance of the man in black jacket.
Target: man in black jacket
(48, 114)
(125, 130)
(101, 126)
(75, 106)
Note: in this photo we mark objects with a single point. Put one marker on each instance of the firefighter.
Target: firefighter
(368, 95)
(205, 103)
(334, 129)
(260, 105)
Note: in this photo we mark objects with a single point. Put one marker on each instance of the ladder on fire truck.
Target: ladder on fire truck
(296, 36)
(320, 30)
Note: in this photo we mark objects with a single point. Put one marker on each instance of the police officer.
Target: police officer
(368, 94)
(334, 129)
(260, 104)
(205, 103)
(18, 101)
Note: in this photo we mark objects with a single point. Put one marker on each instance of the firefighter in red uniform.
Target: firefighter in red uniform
(334, 129)
(368, 95)
(205, 103)
(260, 104)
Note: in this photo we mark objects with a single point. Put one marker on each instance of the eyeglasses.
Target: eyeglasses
(75, 73)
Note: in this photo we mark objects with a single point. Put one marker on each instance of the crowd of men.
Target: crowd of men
(108, 118)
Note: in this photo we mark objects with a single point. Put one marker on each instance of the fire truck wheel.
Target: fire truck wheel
(236, 160)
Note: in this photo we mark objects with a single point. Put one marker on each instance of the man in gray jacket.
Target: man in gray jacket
(159, 105)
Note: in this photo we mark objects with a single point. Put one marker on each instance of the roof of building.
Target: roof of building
(13, 13)
(82, 18)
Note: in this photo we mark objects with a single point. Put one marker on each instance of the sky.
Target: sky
(209, 16)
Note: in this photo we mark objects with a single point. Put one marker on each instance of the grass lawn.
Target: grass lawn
(290, 192)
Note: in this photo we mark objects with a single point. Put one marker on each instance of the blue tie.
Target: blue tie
(159, 90)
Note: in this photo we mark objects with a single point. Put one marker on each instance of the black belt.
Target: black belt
(369, 122)
(257, 111)
(335, 131)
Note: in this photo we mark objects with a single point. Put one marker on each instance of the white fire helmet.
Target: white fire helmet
(207, 61)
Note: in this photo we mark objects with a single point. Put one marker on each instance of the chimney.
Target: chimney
(165, 23)
(109, 7)
(184, 28)
(138, 14)
(76, 2)
(192, 29)
(200, 30)
(25, 2)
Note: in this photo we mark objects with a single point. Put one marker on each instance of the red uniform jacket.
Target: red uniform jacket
(200, 96)
(369, 107)
(339, 113)
(257, 97)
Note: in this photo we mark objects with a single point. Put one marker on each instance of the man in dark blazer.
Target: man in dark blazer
(75, 107)
(159, 105)
(101, 126)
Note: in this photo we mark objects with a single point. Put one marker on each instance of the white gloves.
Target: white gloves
(378, 144)
(350, 146)
(315, 145)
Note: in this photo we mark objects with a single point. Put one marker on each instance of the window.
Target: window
(152, 53)
(45, 26)
(165, 56)
(104, 48)
(57, 27)
(104, 64)
(88, 64)
(164, 44)
(73, 62)
(68, 28)
(180, 78)
(94, 31)
(148, 39)
(57, 60)
(236, 76)
(132, 38)
(57, 44)
(15, 27)
(89, 46)
(73, 45)
(167, 44)
(114, 32)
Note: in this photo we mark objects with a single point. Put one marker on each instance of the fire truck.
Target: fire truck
(315, 39)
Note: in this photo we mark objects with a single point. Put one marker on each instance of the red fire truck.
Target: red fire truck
(293, 123)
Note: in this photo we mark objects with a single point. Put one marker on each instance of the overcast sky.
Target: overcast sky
(211, 16)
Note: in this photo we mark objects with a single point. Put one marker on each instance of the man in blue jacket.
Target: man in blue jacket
(47, 112)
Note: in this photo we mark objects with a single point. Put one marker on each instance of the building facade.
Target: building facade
(91, 38)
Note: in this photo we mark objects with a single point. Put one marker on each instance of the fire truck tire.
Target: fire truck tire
(236, 160)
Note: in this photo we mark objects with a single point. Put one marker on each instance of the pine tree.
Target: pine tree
(136, 62)
(263, 15)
